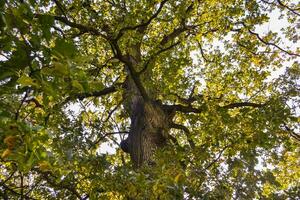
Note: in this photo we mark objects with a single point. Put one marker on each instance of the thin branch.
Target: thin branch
(16, 193)
(60, 7)
(81, 96)
(106, 120)
(281, 4)
(142, 25)
(21, 104)
(272, 44)
(243, 104)
(99, 68)
(109, 134)
(155, 55)
(289, 8)
(192, 98)
(22, 185)
(216, 159)
(186, 131)
(34, 186)
(122, 5)
(59, 185)
(8, 178)
(291, 132)
(59, 30)
(202, 53)
(176, 32)
(35, 101)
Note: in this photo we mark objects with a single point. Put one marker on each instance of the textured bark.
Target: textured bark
(149, 126)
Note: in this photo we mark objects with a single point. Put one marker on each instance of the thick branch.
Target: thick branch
(82, 28)
(103, 92)
(15, 192)
(191, 109)
(135, 77)
(127, 60)
(182, 108)
(176, 32)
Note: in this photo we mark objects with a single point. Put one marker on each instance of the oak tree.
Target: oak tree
(194, 99)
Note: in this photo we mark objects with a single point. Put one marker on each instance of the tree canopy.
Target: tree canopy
(195, 99)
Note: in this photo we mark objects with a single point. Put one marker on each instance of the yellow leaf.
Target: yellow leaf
(10, 141)
(44, 166)
(26, 81)
(6, 153)
(256, 61)
(177, 178)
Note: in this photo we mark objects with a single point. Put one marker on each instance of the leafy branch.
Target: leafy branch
(292, 133)
(281, 4)
(144, 24)
(186, 131)
(191, 109)
(216, 159)
(82, 28)
(272, 44)
(152, 57)
(50, 178)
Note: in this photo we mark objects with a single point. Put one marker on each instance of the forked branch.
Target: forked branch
(144, 24)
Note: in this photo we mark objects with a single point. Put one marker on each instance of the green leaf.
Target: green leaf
(64, 48)
(46, 22)
(61, 69)
(77, 85)
(24, 80)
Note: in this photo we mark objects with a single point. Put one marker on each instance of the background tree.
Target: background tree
(188, 89)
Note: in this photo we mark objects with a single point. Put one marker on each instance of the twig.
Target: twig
(186, 131)
(155, 55)
(21, 104)
(142, 25)
(272, 44)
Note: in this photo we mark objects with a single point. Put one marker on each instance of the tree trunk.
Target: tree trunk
(149, 126)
